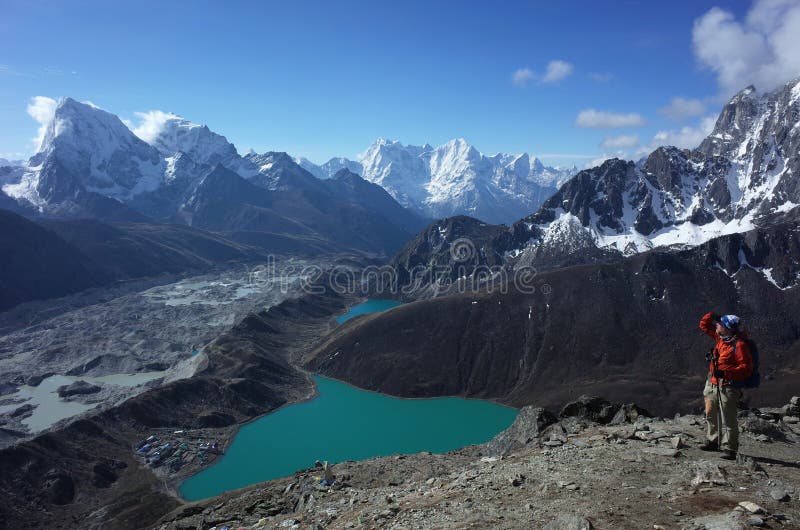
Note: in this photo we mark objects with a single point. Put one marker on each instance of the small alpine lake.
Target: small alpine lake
(373, 305)
(345, 423)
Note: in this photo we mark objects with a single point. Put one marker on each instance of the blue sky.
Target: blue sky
(323, 79)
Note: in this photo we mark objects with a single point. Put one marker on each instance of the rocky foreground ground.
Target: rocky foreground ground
(595, 465)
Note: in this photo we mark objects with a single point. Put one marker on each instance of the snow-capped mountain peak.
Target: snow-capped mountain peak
(456, 178)
(741, 176)
(85, 147)
(198, 141)
(453, 179)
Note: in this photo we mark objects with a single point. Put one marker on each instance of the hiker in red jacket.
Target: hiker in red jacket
(733, 363)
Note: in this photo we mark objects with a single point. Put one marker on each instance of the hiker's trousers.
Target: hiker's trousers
(730, 405)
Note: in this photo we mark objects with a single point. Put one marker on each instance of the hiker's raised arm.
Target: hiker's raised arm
(708, 325)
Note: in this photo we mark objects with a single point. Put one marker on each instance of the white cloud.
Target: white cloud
(5, 69)
(150, 124)
(762, 50)
(564, 155)
(522, 76)
(595, 119)
(556, 71)
(680, 108)
(601, 77)
(42, 109)
(606, 156)
(622, 141)
(685, 137)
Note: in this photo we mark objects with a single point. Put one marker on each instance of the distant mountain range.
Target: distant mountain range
(453, 179)
(91, 165)
(744, 175)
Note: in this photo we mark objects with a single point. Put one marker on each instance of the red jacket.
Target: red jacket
(737, 365)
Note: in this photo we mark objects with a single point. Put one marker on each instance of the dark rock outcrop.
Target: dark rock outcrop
(77, 388)
(529, 424)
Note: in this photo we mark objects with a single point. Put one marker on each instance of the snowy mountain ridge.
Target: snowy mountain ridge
(454, 178)
(743, 174)
(86, 149)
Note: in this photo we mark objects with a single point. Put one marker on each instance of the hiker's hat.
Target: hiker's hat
(730, 321)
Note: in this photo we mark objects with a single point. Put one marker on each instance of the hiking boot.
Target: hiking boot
(727, 454)
(709, 446)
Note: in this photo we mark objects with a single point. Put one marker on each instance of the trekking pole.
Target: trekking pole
(721, 423)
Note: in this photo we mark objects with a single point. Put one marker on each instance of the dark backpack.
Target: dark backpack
(755, 378)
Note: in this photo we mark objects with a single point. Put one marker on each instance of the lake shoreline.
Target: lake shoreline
(176, 486)
(344, 424)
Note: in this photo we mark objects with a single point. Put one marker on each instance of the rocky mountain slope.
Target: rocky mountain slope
(626, 330)
(37, 263)
(745, 170)
(92, 165)
(580, 469)
(56, 257)
(454, 179)
(84, 473)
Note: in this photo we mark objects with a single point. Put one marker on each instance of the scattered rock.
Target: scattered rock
(642, 435)
(591, 408)
(628, 413)
(706, 473)
(662, 451)
(779, 494)
(751, 507)
(658, 435)
(729, 521)
(569, 522)
(758, 426)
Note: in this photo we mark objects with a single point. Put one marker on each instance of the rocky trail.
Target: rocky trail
(593, 466)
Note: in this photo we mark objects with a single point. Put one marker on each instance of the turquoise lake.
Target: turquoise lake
(345, 423)
(370, 306)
